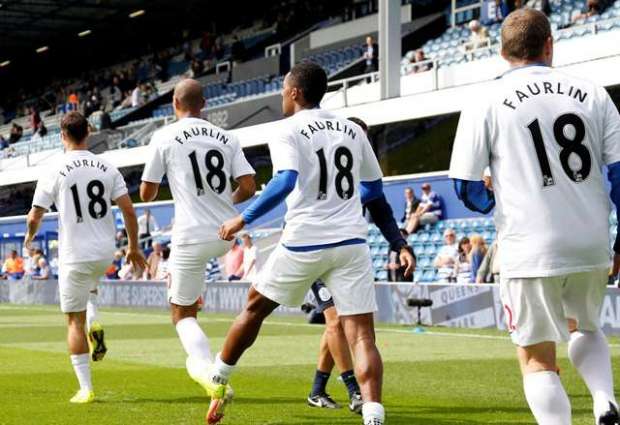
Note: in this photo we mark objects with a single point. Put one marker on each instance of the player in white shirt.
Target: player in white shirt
(83, 186)
(318, 161)
(198, 159)
(546, 136)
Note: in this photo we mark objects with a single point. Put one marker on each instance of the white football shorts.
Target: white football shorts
(76, 280)
(346, 270)
(187, 269)
(537, 309)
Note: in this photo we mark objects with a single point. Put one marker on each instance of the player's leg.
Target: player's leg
(74, 285)
(318, 394)
(285, 279)
(339, 349)
(536, 321)
(588, 348)
(351, 283)
(186, 285)
(94, 328)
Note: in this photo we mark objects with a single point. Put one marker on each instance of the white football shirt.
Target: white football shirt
(332, 156)
(199, 160)
(546, 136)
(82, 186)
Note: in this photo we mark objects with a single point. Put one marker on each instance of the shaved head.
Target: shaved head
(188, 96)
(524, 35)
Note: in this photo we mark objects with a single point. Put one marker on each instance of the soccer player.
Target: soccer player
(319, 161)
(546, 136)
(82, 186)
(334, 348)
(199, 160)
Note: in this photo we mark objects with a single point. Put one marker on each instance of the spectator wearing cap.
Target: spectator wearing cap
(446, 257)
(428, 212)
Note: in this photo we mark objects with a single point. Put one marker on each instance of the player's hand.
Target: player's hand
(136, 259)
(407, 260)
(28, 242)
(231, 227)
(615, 269)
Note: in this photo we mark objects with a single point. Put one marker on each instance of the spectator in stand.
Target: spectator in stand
(411, 205)
(163, 271)
(147, 225)
(16, 133)
(113, 269)
(250, 258)
(479, 36)
(35, 119)
(428, 212)
(116, 94)
(30, 262)
(593, 7)
(489, 268)
(421, 59)
(13, 267)
(462, 266)
(73, 101)
(153, 261)
(233, 262)
(44, 271)
(476, 256)
(196, 68)
(371, 54)
(542, 5)
(137, 96)
(237, 50)
(396, 272)
(121, 238)
(446, 257)
(218, 48)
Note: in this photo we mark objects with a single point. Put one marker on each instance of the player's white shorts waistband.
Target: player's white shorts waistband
(346, 270)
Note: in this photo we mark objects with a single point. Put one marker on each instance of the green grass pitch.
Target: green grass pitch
(441, 377)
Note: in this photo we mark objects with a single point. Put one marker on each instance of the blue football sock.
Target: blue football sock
(320, 383)
(349, 380)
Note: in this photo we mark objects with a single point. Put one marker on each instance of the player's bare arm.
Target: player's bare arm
(33, 223)
(134, 254)
(245, 190)
(148, 191)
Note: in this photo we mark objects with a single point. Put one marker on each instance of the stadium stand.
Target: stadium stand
(448, 49)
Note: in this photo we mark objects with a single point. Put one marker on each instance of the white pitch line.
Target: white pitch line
(308, 325)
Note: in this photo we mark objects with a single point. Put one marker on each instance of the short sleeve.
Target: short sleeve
(611, 130)
(370, 169)
(119, 187)
(155, 166)
(471, 151)
(284, 152)
(240, 164)
(45, 192)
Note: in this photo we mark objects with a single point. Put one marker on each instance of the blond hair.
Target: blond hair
(477, 245)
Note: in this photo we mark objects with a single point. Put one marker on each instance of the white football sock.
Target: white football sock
(373, 413)
(547, 399)
(194, 340)
(221, 371)
(81, 367)
(91, 310)
(589, 353)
